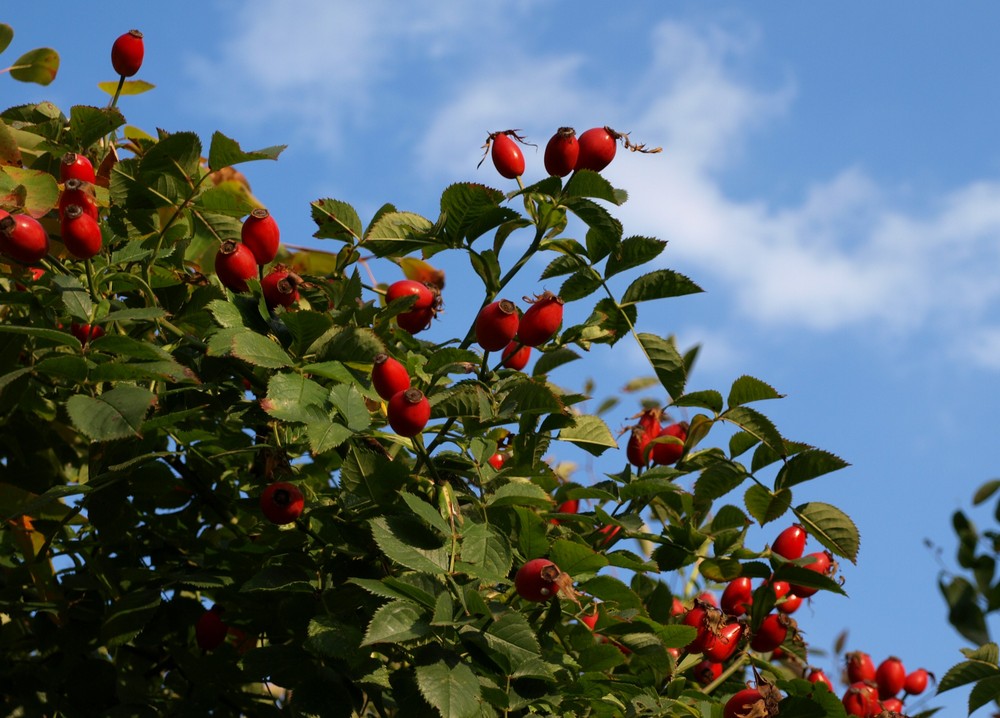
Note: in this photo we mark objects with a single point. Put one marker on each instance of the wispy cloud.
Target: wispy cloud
(849, 252)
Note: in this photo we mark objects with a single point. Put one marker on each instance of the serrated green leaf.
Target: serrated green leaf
(350, 403)
(259, 350)
(831, 527)
(756, 424)
(766, 506)
(398, 233)
(326, 435)
(47, 335)
(329, 638)
(129, 615)
(666, 361)
(587, 183)
(452, 690)
(89, 124)
(720, 570)
(292, 397)
(966, 672)
(39, 66)
(807, 465)
(396, 622)
(117, 371)
(718, 479)
(115, 414)
(659, 284)
(612, 591)
(633, 252)
(741, 442)
(575, 558)
(75, 297)
(553, 359)
(581, 284)
(485, 552)
(985, 691)
(512, 637)
(129, 347)
(226, 152)
(336, 220)
(708, 399)
(594, 215)
(427, 558)
(519, 493)
(531, 396)
(427, 512)
(590, 433)
(461, 399)
(747, 389)
(562, 265)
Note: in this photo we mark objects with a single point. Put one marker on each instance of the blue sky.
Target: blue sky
(830, 176)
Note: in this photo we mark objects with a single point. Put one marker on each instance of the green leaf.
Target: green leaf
(531, 396)
(633, 252)
(740, 442)
(831, 527)
(6, 35)
(129, 615)
(427, 512)
(127, 346)
(553, 359)
(453, 691)
(39, 66)
(658, 284)
(718, 479)
(512, 637)
(562, 265)
(259, 350)
(613, 591)
(129, 87)
(485, 552)
(336, 220)
(586, 183)
(350, 403)
(720, 570)
(966, 672)
(89, 124)
(460, 399)
(985, 491)
(292, 397)
(74, 296)
(35, 505)
(666, 361)
(985, 691)
(581, 284)
(747, 389)
(38, 191)
(326, 435)
(708, 399)
(115, 414)
(49, 335)
(402, 549)
(330, 638)
(590, 433)
(398, 233)
(575, 559)
(116, 371)
(594, 215)
(766, 506)
(470, 210)
(801, 576)
(226, 152)
(396, 622)
(807, 465)
(756, 424)
(519, 493)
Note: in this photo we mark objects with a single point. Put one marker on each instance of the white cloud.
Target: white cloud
(849, 252)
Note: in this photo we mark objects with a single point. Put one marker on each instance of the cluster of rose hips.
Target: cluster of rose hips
(564, 153)
(23, 239)
(238, 262)
(651, 441)
(873, 690)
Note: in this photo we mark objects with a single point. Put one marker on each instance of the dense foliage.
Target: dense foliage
(221, 498)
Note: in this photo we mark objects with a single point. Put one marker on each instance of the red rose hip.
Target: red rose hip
(389, 376)
(127, 52)
(408, 412)
(597, 147)
(516, 356)
(23, 239)
(496, 325)
(537, 580)
(80, 232)
(280, 287)
(76, 166)
(561, 152)
(541, 321)
(235, 264)
(507, 157)
(281, 503)
(261, 235)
